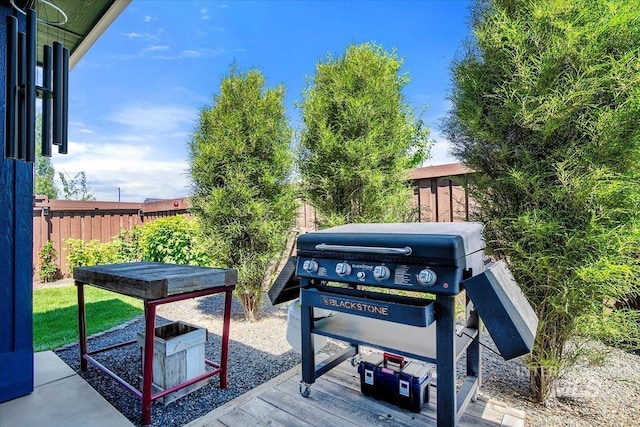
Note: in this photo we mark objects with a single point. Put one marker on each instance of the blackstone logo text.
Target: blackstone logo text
(355, 306)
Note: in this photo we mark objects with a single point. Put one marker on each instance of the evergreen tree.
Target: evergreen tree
(546, 110)
(240, 161)
(359, 138)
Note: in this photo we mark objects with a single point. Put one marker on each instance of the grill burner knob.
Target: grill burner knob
(427, 277)
(381, 272)
(343, 269)
(310, 266)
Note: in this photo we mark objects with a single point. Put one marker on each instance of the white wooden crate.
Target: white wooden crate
(178, 356)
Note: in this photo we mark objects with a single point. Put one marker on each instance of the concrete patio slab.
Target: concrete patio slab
(61, 398)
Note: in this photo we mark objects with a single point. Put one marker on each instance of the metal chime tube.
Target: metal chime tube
(30, 89)
(47, 68)
(22, 107)
(65, 101)
(11, 118)
(57, 93)
(21, 92)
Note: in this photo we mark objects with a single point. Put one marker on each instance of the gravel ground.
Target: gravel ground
(594, 393)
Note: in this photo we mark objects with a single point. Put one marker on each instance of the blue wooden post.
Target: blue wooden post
(16, 259)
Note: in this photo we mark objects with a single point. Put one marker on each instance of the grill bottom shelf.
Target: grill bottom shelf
(410, 341)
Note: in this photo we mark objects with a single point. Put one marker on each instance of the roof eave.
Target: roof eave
(101, 26)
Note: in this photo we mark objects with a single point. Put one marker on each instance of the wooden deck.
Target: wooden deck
(336, 401)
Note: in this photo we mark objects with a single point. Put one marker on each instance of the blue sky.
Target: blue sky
(134, 98)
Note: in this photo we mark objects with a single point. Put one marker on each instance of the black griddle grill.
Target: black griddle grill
(348, 270)
(400, 252)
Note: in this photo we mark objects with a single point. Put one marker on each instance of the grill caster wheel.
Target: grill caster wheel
(355, 360)
(305, 389)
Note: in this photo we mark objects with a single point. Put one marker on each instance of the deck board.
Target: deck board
(287, 399)
(275, 417)
(240, 418)
(336, 400)
(351, 405)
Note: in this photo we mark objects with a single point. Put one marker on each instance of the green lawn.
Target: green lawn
(55, 314)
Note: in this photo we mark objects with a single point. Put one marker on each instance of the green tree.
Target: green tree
(44, 173)
(43, 169)
(359, 138)
(240, 161)
(76, 188)
(546, 109)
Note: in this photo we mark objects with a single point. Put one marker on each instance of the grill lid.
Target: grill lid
(448, 243)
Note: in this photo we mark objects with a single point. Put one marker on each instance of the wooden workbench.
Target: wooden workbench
(155, 284)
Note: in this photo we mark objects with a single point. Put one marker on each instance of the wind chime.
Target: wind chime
(21, 91)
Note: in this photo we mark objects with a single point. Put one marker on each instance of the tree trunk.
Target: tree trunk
(546, 359)
(251, 306)
(541, 382)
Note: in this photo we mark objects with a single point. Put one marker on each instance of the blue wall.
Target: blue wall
(16, 263)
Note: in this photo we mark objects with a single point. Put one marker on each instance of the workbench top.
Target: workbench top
(154, 280)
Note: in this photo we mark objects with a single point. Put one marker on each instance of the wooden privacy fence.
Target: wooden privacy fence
(438, 192)
(58, 220)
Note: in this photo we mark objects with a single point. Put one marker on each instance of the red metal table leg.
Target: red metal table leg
(225, 339)
(147, 369)
(82, 326)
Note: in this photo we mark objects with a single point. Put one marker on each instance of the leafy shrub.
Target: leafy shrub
(175, 240)
(615, 327)
(128, 244)
(122, 248)
(48, 271)
(81, 253)
(172, 239)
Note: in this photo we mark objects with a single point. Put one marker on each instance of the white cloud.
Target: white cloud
(142, 151)
(135, 169)
(202, 52)
(190, 53)
(148, 18)
(440, 152)
(157, 119)
(156, 48)
(193, 53)
(141, 36)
